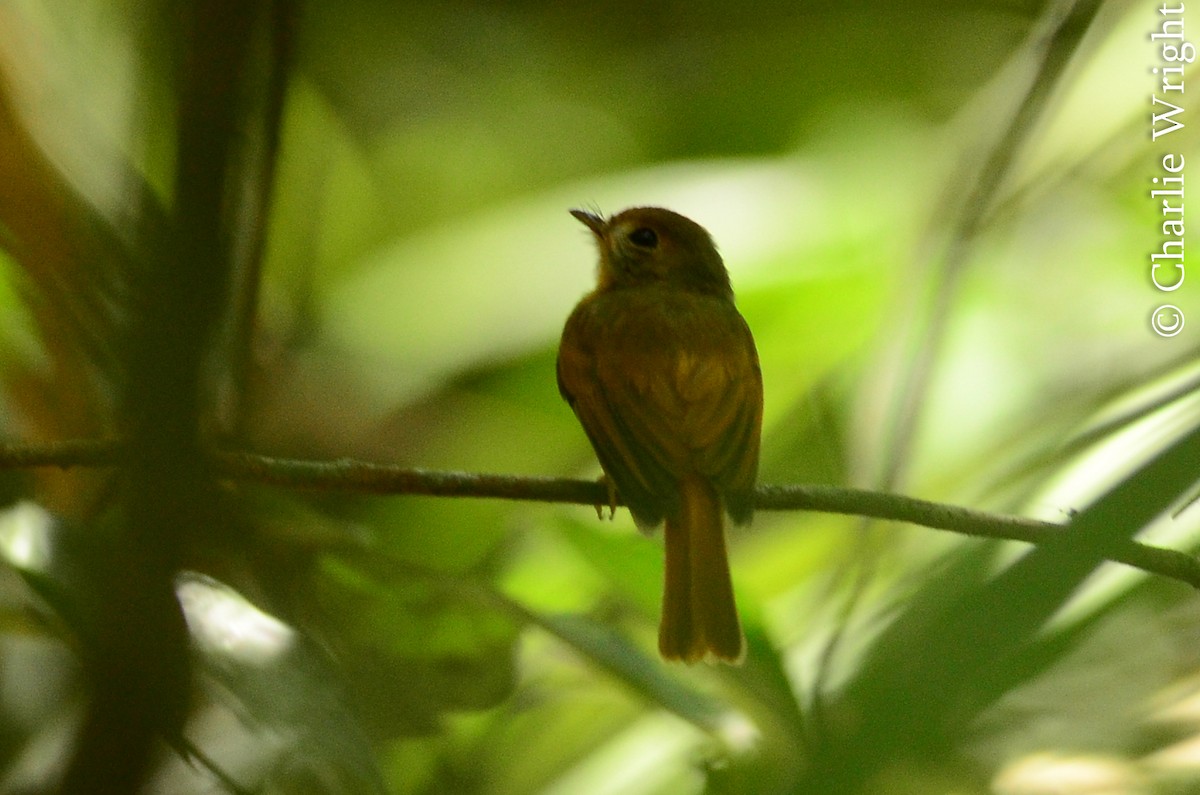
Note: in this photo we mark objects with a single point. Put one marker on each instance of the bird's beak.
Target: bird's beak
(591, 221)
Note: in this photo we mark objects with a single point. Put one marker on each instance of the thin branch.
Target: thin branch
(63, 455)
(1047, 49)
(367, 478)
(261, 163)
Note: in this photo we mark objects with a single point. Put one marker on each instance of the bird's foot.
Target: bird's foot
(611, 488)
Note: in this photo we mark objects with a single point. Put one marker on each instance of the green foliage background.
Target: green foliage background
(417, 265)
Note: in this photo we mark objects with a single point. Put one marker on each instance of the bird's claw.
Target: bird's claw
(611, 488)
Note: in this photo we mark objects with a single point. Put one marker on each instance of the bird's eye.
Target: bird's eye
(643, 236)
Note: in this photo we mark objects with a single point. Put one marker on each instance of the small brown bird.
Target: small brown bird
(662, 372)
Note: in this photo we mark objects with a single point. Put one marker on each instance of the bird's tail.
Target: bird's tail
(699, 617)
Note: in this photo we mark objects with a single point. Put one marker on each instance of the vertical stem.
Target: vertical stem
(137, 656)
(1048, 48)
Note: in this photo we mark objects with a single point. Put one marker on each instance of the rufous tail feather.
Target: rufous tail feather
(699, 616)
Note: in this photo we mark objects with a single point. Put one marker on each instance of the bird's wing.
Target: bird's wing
(643, 481)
